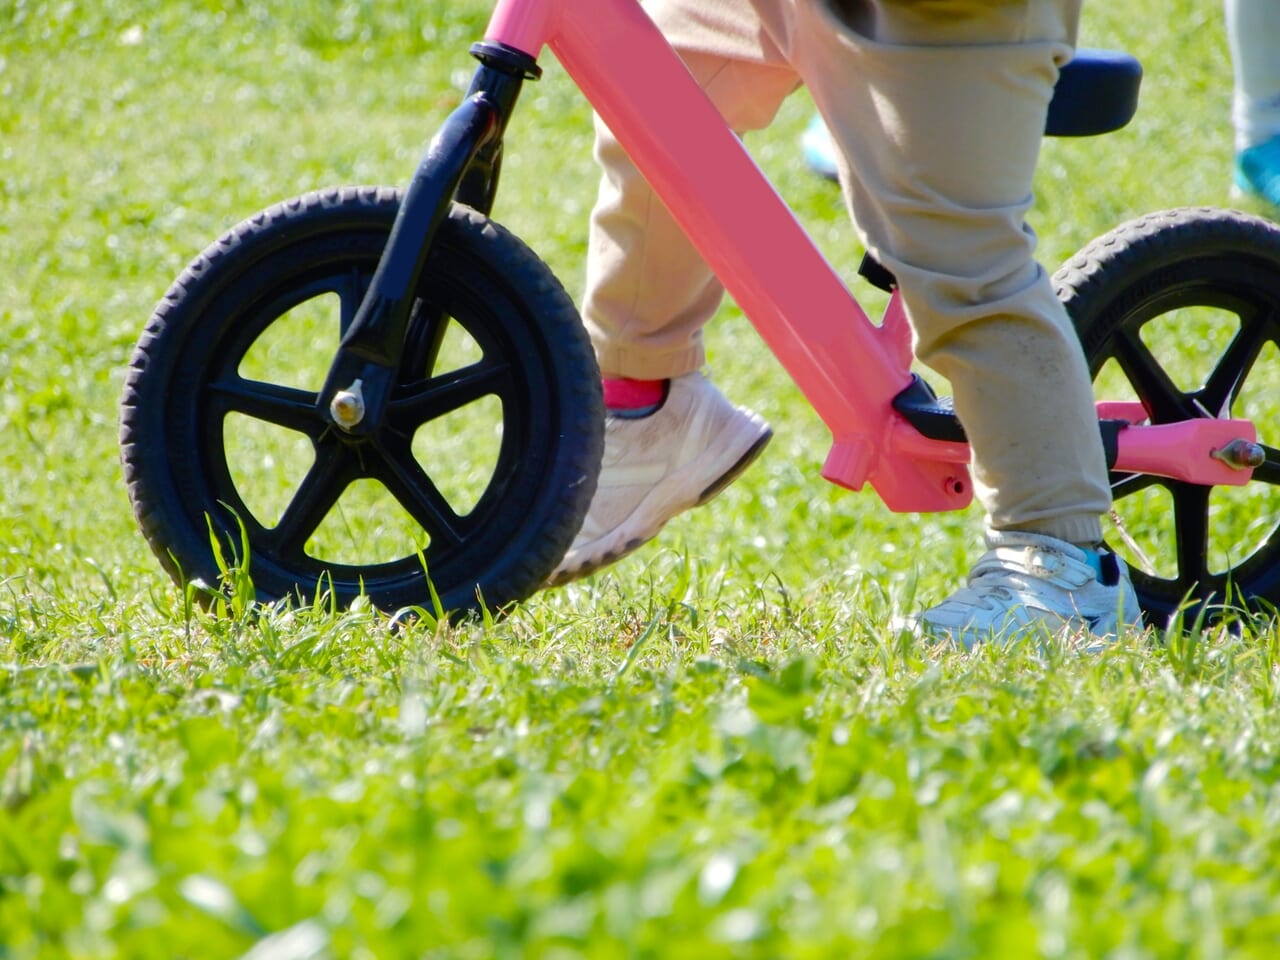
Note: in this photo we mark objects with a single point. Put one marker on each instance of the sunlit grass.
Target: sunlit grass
(717, 748)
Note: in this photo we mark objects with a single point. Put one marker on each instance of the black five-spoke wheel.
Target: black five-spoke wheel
(1180, 311)
(478, 476)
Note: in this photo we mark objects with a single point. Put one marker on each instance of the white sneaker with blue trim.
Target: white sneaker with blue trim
(1028, 584)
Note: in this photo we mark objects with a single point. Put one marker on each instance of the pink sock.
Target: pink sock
(625, 394)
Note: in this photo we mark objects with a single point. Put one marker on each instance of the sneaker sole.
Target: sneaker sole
(714, 489)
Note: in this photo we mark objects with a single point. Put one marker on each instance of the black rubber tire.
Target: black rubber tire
(1227, 264)
(536, 367)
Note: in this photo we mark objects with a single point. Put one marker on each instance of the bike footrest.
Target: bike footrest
(934, 416)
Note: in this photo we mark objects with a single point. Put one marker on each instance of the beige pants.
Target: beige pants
(939, 106)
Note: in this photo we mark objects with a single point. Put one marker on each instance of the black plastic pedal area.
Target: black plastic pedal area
(934, 416)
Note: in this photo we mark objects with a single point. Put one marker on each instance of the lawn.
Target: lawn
(715, 749)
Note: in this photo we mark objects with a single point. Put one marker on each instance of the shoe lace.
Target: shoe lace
(998, 579)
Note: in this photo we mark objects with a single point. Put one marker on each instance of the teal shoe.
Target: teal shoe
(819, 151)
(1258, 170)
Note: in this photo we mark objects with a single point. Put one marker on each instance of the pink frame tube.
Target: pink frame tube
(848, 368)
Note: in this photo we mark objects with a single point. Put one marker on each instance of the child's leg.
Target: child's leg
(648, 290)
(649, 294)
(941, 107)
(1253, 33)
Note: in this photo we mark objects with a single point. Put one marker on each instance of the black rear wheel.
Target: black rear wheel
(1180, 310)
(478, 478)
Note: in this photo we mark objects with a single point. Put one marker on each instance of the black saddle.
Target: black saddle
(1097, 92)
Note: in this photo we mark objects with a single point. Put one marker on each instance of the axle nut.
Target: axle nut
(347, 406)
(1241, 455)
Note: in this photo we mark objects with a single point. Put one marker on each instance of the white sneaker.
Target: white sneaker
(1032, 583)
(657, 466)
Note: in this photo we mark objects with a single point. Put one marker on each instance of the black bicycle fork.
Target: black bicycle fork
(461, 162)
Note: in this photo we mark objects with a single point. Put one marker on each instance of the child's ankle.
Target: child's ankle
(632, 399)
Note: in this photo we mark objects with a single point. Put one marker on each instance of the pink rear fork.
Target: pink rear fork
(849, 369)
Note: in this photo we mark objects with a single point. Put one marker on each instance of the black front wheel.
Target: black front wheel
(477, 479)
(1180, 311)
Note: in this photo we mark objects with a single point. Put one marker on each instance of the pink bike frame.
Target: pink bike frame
(848, 368)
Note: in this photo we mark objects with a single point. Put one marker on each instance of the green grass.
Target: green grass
(715, 749)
